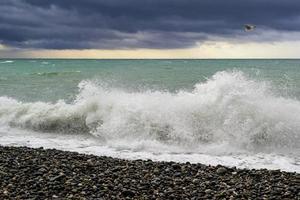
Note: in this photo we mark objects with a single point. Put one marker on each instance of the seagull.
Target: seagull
(249, 27)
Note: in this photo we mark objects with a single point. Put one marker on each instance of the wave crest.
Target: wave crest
(6, 61)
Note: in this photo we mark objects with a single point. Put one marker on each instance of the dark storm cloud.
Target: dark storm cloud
(111, 24)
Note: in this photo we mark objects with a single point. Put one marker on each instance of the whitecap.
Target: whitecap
(7, 61)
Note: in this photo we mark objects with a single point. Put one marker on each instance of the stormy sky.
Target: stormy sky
(147, 24)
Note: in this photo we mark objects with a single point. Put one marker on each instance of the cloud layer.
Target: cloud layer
(127, 24)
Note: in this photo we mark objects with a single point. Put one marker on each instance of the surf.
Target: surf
(228, 108)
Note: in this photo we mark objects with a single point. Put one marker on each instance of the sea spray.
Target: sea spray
(227, 110)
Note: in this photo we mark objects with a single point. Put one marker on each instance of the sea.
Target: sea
(242, 113)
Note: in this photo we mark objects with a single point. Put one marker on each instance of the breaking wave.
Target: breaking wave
(6, 61)
(227, 108)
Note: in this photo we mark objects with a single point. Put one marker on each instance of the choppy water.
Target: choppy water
(243, 113)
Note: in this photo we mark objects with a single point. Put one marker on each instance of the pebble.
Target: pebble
(221, 170)
(207, 191)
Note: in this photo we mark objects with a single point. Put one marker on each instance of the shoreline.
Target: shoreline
(38, 173)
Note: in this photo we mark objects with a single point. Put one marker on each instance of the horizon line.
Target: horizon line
(60, 58)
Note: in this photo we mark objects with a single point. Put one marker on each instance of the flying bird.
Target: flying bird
(249, 27)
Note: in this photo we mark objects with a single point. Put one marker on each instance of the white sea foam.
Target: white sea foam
(7, 61)
(55, 73)
(227, 115)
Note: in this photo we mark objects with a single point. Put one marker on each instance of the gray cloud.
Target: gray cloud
(86, 24)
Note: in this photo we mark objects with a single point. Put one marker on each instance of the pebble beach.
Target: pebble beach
(28, 173)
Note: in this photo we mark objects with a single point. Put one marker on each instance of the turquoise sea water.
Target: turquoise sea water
(244, 113)
(50, 80)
